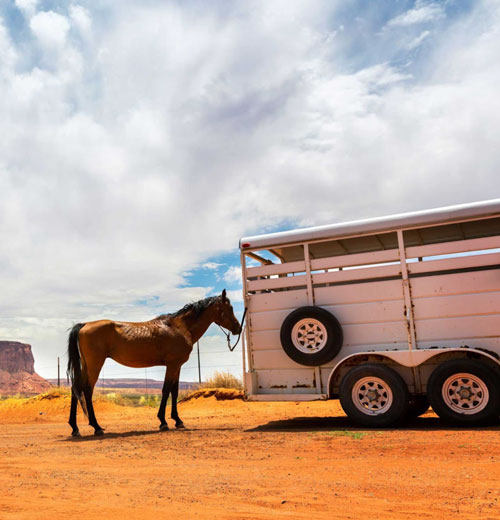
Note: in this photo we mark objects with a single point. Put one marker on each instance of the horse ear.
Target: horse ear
(224, 295)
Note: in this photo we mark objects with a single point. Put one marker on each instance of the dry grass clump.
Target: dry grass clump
(18, 400)
(222, 386)
(53, 393)
(223, 380)
(221, 394)
(12, 402)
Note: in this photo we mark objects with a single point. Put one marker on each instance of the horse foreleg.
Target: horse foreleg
(175, 415)
(72, 415)
(167, 386)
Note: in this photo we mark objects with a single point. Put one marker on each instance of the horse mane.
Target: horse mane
(197, 308)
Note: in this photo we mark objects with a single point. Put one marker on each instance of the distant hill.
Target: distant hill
(131, 382)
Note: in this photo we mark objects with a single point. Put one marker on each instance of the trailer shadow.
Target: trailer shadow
(327, 424)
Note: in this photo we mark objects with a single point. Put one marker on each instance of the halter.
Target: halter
(227, 334)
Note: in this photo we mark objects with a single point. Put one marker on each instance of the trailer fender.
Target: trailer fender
(409, 358)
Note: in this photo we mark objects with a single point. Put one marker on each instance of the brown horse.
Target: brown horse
(166, 341)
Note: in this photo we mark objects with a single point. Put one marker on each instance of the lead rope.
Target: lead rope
(227, 334)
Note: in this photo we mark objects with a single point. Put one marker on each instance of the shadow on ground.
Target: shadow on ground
(319, 424)
(141, 433)
(119, 435)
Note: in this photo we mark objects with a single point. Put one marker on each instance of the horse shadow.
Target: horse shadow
(113, 435)
(141, 433)
(331, 424)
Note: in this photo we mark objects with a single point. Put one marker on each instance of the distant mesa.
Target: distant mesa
(17, 370)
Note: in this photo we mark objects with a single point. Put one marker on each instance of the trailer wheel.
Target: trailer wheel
(374, 395)
(417, 406)
(465, 392)
(311, 336)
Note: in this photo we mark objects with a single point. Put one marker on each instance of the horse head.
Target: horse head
(225, 315)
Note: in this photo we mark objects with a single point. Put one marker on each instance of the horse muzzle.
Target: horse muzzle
(235, 331)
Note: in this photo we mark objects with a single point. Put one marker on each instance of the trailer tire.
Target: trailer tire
(465, 392)
(374, 395)
(311, 336)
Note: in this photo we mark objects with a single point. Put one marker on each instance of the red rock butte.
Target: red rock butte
(17, 370)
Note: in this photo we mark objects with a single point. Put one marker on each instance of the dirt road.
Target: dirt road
(243, 460)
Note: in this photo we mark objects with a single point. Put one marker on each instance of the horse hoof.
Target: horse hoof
(75, 433)
(99, 432)
(164, 427)
(180, 426)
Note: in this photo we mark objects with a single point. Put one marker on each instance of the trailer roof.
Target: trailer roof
(446, 215)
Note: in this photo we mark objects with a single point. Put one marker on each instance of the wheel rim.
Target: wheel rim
(309, 336)
(372, 396)
(465, 394)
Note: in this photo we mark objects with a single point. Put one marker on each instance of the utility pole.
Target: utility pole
(199, 366)
(58, 372)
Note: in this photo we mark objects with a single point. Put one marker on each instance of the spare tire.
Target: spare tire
(311, 336)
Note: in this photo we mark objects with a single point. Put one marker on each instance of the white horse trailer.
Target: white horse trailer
(387, 314)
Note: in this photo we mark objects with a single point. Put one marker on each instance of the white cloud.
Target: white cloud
(212, 266)
(81, 20)
(133, 154)
(28, 7)
(235, 296)
(418, 40)
(50, 28)
(233, 274)
(423, 12)
(7, 51)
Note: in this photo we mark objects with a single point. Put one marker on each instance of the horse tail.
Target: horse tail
(78, 379)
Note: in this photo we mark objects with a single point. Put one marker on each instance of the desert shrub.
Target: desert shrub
(150, 400)
(223, 380)
(53, 393)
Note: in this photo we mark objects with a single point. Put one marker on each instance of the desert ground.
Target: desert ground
(241, 460)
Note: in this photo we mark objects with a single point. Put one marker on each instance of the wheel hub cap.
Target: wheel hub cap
(465, 394)
(372, 396)
(309, 336)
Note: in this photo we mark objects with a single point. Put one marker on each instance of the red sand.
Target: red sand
(242, 460)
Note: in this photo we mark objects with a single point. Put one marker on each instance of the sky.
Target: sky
(140, 139)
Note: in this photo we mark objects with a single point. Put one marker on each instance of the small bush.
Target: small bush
(223, 380)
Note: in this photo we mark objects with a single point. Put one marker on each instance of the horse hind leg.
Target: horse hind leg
(93, 370)
(88, 392)
(72, 415)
